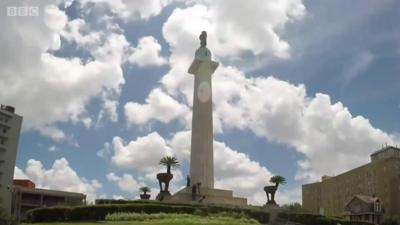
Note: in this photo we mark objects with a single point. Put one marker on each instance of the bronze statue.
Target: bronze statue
(203, 39)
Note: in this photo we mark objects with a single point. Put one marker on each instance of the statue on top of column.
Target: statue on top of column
(203, 53)
(203, 39)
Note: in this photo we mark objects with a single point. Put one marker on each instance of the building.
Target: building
(380, 178)
(26, 196)
(10, 126)
(364, 208)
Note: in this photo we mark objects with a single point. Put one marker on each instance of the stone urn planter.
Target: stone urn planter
(145, 196)
(271, 190)
(164, 178)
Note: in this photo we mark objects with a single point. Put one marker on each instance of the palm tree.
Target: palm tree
(277, 180)
(145, 190)
(145, 195)
(169, 161)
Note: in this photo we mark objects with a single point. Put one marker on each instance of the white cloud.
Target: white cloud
(54, 133)
(233, 170)
(105, 152)
(19, 174)
(109, 110)
(47, 89)
(236, 171)
(330, 138)
(118, 197)
(138, 9)
(159, 106)
(234, 28)
(52, 148)
(325, 133)
(360, 64)
(87, 122)
(147, 53)
(125, 182)
(78, 31)
(59, 177)
(142, 154)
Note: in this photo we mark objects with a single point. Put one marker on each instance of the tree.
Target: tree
(277, 180)
(145, 190)
(169, 161)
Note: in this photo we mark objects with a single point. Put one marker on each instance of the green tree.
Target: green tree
(145, 190)
(169, 162)
(277, 180)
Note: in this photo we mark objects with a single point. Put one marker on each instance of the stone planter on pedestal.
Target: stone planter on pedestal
(164, 178)
(270, 192)
(145, 196)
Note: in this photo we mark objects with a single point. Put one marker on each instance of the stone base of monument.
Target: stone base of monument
(163, 195)
(212, 196)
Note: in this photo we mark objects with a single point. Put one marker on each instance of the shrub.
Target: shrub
(258, 214)
(390, 222)
(99, 212)
(311, 219)
(4, 217)
(143, 216)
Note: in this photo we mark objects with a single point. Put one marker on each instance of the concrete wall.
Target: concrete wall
(381, 178)
(10, 126)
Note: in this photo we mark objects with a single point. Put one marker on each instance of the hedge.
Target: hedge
(312, 219)
(258, 214)
(5, 217)
(119, 201)
(390, 222)
(99, 212)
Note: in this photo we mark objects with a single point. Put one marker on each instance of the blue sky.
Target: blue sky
(304, 89)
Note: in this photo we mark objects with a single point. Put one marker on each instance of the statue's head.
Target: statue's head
(203, 39)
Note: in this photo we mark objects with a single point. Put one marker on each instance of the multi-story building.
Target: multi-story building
(10, 126)
(26, 196)
(380, 178)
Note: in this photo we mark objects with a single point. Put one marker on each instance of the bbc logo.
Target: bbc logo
(23, 11)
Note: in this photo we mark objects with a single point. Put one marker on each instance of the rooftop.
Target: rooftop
(385, 149)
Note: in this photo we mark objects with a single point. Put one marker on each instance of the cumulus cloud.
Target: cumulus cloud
(331, 139)
(126, 182)
(147, 53)
(142, 154)
(48, 89)
(235, 28)
(326, 133)
(159, 106)
(233, 170)
(59, 177)
(126, 9)
(19, 174)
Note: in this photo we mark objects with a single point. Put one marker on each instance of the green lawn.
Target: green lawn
(193, 221)
(164, 219)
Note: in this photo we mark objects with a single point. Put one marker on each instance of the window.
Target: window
(378, 207)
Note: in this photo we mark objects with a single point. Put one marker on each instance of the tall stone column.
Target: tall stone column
(202, 153)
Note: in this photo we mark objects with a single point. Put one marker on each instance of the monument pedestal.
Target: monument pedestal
(212, 196)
